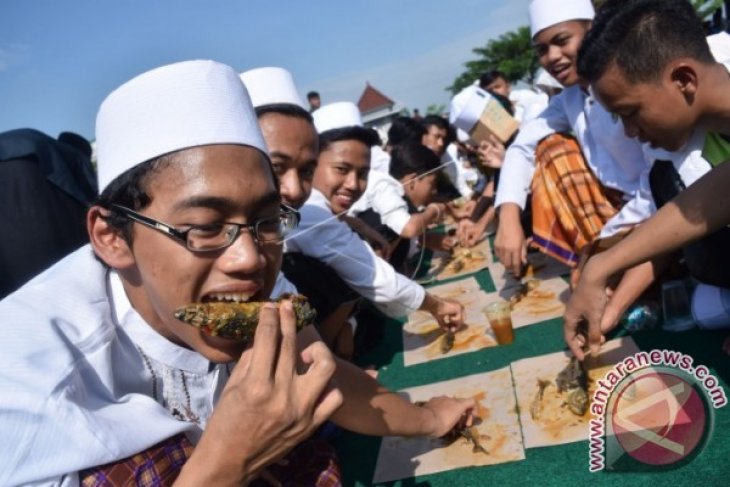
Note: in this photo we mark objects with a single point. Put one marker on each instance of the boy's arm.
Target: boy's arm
(697, 211)
(369, 408)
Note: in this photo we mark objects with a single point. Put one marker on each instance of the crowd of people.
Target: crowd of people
(216, 186)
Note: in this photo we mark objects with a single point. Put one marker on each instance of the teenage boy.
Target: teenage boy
(324, 252)
(100, 383)
(586, 190)
(649, 63)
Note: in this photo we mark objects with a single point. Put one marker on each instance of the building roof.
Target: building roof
(372, 99)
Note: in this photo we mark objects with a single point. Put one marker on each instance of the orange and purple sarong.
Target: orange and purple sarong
(569, 205)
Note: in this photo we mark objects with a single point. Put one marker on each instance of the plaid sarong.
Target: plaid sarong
(157, 466)
(311, 463)
(569, 204)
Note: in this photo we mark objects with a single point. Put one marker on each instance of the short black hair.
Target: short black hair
(288, 109)
(641, 37)
(412, 158)
(405, 129)
(131, 190)
(313, 94)
(436, 120)
(367, 136)
(490, 77)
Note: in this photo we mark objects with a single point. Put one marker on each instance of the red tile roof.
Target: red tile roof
(372, 99)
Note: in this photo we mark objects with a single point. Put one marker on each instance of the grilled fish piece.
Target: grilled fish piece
(573, 381)
(238, 321)
(523, 290)
(472, 435)
(536, 405)
(447, 342)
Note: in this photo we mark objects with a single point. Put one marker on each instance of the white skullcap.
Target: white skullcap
(267, 86)
(171, 108)
(546, 13)
(545, 81)
(336, 115)
(476, 112)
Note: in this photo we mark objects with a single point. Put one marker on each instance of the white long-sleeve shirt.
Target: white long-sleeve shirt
(324, 237)
(617, 160)
(384, 195)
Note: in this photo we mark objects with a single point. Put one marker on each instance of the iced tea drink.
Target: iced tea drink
(500, 319)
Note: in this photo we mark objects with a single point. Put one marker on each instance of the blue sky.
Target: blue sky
(60, 58)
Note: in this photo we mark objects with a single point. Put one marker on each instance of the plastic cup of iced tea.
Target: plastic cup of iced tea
(499, 315)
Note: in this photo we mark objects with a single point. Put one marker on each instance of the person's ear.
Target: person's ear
(411, 178)
(108, 242)
(684, 77)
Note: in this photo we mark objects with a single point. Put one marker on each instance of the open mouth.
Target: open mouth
(226, 298)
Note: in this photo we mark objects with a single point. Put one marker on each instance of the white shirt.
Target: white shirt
(384, 195)
(459, 175)
(324, 237)
(617, 161)
(379, 160)
(527, 101)
(74, 388)
(688, 161)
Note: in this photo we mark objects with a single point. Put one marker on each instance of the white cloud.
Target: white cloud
(422, 80)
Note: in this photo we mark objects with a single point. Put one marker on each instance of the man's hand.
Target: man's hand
(510, 244)
(270, 404)
(448, 413)
(448, 312)
(491, 152)
(586, 308)
(439, 242)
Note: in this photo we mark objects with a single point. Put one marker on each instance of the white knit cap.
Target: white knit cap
(267, 86)
(337, 115)
(170, 108)
(546, 13)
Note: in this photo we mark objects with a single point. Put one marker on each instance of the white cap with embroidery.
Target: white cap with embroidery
(546, 13)
(337, 115)
(268, 86)
(170, 108)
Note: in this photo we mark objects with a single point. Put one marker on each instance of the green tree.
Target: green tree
(511, 53)
(705, 8)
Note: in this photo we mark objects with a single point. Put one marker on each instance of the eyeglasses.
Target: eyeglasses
(217, 236)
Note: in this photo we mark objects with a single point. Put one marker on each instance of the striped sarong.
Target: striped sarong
(569, 204)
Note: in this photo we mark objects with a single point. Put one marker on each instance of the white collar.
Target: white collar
(145, 337)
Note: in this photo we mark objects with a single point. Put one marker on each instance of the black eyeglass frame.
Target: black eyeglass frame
(181, 236)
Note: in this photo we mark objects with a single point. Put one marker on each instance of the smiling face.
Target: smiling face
(209, 184)
(293, 145)
(342, 173)
(656, 112)
(557, 49)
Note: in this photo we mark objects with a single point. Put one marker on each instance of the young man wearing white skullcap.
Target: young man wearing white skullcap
(326, 243)
(586, 188)
(100, 383)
